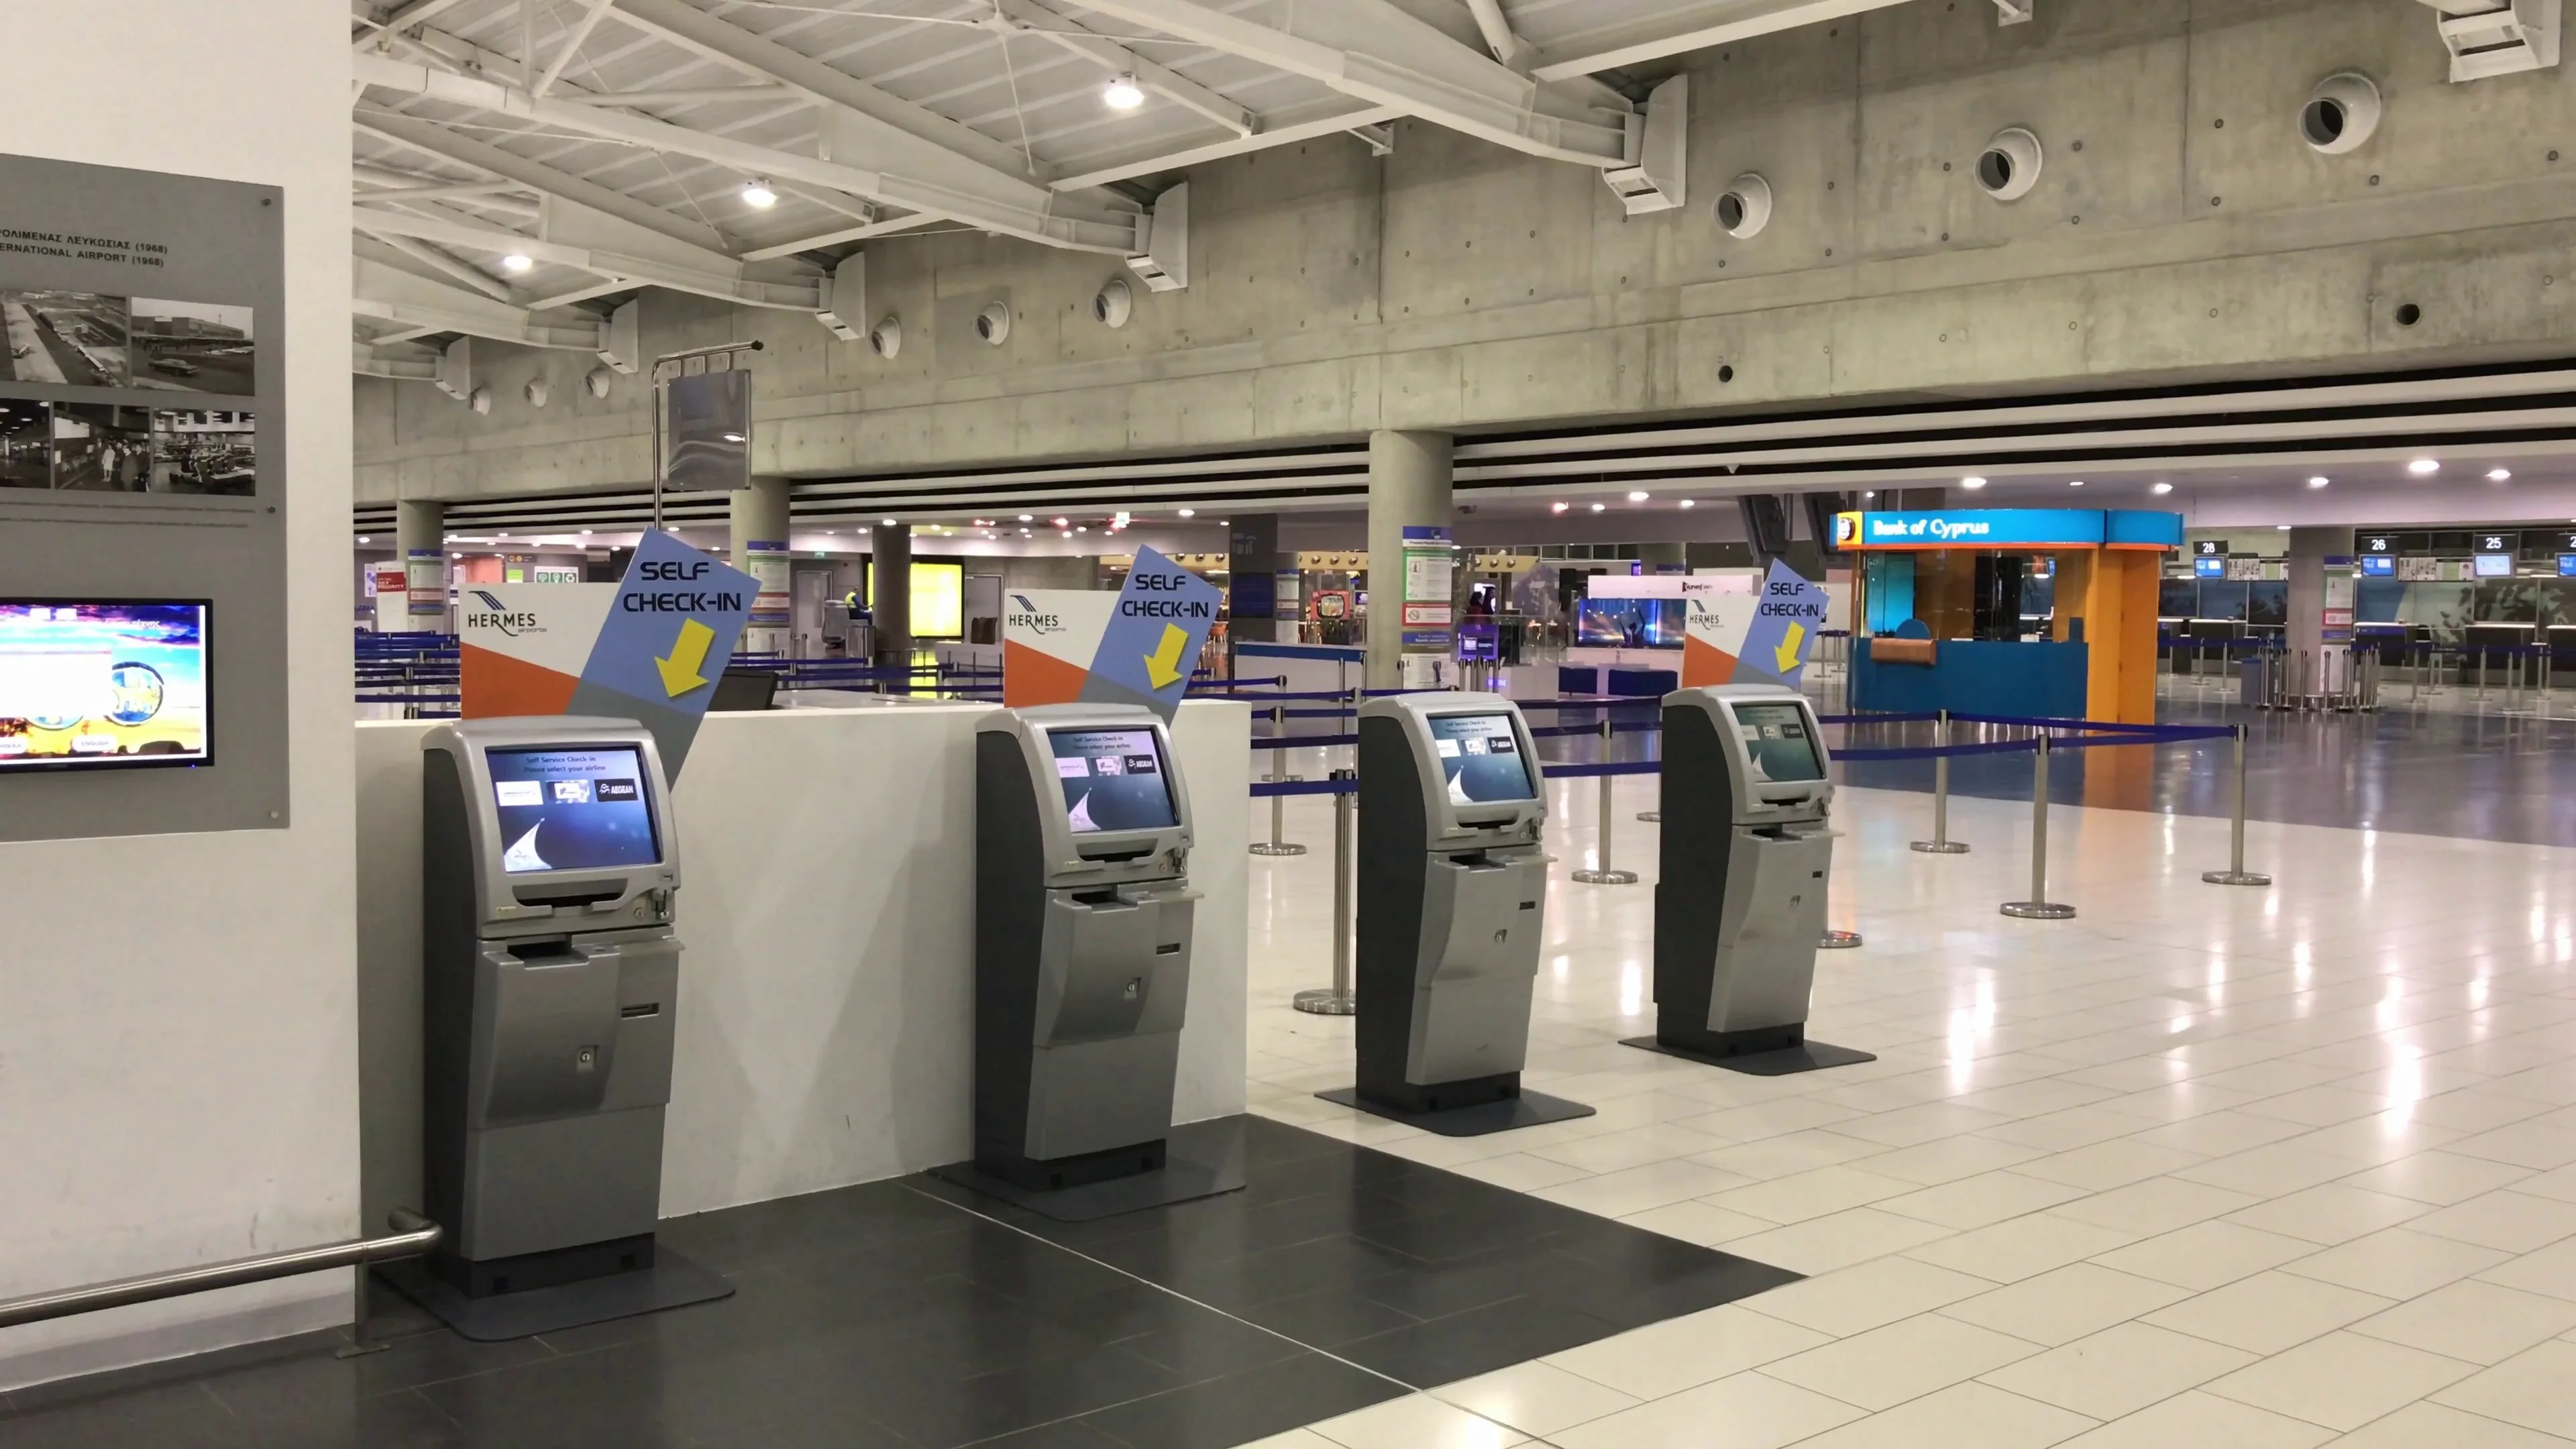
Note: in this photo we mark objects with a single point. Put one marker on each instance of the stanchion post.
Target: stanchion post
(1277, 844)
(1656, 815)
(2236, 874)
(2039, 907)
(1941, 843)
(1604, 872)
(1338, 1000)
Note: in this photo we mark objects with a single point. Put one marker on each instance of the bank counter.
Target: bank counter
(1938, 601)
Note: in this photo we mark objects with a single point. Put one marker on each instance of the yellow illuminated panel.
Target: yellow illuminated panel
(938, 599)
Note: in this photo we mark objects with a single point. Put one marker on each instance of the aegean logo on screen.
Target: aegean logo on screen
(496, 615)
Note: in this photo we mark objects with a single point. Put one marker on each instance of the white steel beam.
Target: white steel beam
(1280, 128)
(944, 184)
(437, 261)
(571, 46)
(1038, 19)
(1496, 27)
(1693, 25)
(417, 307)
(418, 12)
(1372, 50)
(861, 232)
(400, 367)
(937, 143)
(618, 272)
(433, 139)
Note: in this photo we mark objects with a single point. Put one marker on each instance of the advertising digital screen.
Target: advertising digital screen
(1631, 623)
(2378, 566)
(2495, 565)
(1481, 757)
(100, 684)
(1782, 747)
(573, 808)
(1114, 779)
(938, 599)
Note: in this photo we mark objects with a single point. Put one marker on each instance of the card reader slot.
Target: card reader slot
(648, 1008)
(576, 896)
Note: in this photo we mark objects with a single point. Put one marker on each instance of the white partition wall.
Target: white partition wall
(177, 1012)
(827, 906)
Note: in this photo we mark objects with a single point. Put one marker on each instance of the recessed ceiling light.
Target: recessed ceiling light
(2499, 475)
(1688, 503)
(1028, 518)
(1123, 93)
(362, 538)
(2318, 482)
(1639, 496)
(2283, 527)
(1064, 523)
(1972, 483)
(2424, 467)
(2074, 482)
(1869, 493)
(2161, 489)
(757, 195)
(1189, 513)
(888, 522)
(1558, 507)
(1598, 507)
(517, 262)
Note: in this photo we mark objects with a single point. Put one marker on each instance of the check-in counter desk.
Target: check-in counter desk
(1964, 676)
(826, 1030)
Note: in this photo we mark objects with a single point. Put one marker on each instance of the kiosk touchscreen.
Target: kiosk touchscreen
(1452, 906)
(1083, 914)
(1740, 901)
(550, 978)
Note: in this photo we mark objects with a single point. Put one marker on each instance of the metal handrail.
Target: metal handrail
(413, 1235)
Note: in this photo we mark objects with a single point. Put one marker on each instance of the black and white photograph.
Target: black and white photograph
(26, 444)
(192, 347)
(205, 452)
(79, 338)
(102, 448)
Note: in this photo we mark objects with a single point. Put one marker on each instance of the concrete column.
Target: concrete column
(890, 567)
(1253, 564)
(760, 550)
(420, 541)
(1409, 478)
(2306, 570)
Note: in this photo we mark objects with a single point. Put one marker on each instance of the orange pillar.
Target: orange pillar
(2113, 590)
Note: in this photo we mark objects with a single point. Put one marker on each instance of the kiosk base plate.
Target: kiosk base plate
(1778, 1062)
(672, 1282)
(1202, 1159)
(1529, 1109)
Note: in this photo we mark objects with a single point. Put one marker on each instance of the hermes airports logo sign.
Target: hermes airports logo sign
(496, 615)
(1030, 619)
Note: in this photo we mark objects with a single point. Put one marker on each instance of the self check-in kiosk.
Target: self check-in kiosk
(1082, 950)
(1452, 907)
(1740, 900)
(550, 979)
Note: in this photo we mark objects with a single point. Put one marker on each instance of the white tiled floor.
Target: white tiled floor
(2205, 1165)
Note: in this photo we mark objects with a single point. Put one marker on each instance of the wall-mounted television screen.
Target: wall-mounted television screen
(2495, 565)
(1631, 623)
(2378, 566)
(91, 684)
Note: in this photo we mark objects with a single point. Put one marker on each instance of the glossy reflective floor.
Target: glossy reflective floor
(2203, 1166)
(918, 1315)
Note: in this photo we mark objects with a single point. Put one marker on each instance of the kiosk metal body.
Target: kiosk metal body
(1082, 943)
(1452, 910)
(1747, 854)
(550, 976)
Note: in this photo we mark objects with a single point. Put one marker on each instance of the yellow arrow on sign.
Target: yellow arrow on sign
(1163, 666)
(1787, 655)
(688, 655)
